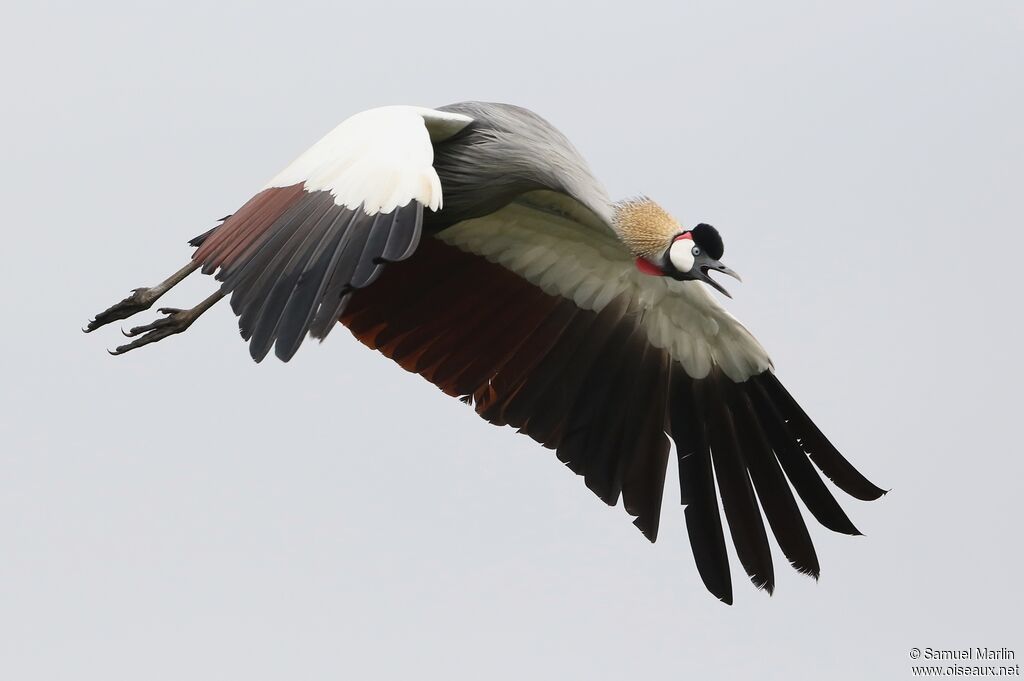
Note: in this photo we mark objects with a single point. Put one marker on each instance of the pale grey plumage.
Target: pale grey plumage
(505, 152)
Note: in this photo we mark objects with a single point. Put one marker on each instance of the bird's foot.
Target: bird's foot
(174, 322)
(140, 299)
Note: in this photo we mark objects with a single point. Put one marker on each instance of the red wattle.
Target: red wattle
(646, 267)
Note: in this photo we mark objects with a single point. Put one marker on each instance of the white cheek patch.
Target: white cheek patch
(680, 255)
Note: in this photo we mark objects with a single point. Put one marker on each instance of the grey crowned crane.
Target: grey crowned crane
(472, 245)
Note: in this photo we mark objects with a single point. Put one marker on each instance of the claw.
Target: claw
(175, 322)
(140, 299)
(145, 328)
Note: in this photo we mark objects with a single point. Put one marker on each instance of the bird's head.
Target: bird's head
(663, 248)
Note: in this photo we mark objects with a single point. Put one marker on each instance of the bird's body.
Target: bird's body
(473, 245)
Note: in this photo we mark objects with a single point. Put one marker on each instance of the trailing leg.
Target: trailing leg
(140, 299)
(174, 322)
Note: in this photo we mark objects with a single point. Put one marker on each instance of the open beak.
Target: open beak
(715, 266)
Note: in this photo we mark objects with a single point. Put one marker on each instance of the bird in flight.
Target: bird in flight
(471, 244)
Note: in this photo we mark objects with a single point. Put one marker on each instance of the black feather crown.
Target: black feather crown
(709, 240)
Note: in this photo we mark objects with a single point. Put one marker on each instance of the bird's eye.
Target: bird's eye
(695, 250)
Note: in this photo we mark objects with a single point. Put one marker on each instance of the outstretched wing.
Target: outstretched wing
(327, 225)
(544, 323)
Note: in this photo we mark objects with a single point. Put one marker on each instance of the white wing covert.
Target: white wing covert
(327, 224)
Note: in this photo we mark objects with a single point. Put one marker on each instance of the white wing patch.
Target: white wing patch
(591, 267)
(381, 158)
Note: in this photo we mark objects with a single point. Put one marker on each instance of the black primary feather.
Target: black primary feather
(579, 377)
(247, 277)
(359, 266)
(741, 508)
(780, 508)
(818, 447)
(309, 290)
(808, 484)
(608, 436)
(697, 486)
(585, 431)
(643, 477)
(281, 291)
(585, 330)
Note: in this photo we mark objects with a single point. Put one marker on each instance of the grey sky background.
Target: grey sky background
(181, 512)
